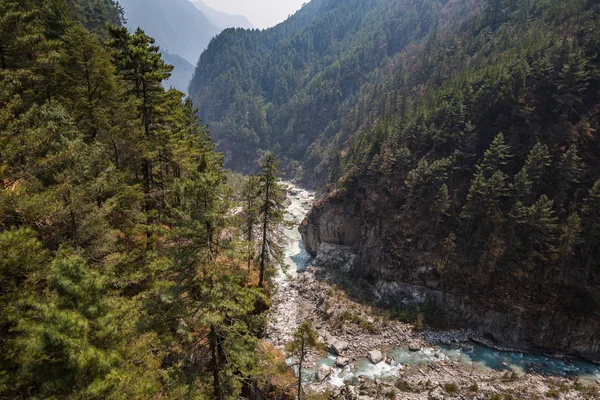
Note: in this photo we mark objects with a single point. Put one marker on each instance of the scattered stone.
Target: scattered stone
(375, 356)
(437, 394)
(389, 360)
(414, 346)
(323, 373)
(338, 346)
(342, 362)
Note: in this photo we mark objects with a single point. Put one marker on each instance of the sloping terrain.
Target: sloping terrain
(458, 140)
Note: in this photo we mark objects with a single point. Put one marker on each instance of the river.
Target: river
(284, 320)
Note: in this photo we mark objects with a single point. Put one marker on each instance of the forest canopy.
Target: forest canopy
(122, 269)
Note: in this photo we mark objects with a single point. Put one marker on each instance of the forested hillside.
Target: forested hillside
(457, 137)
(125, 272)
(487, 143)
(290, 88)
(488, 153)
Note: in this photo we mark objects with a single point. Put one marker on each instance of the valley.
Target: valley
(365, 200)
(371, 355)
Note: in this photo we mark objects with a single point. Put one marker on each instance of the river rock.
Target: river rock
(323, 372)
(375, 356)
(342, 362)
(436, 394)
(414, 346)
(337, 346)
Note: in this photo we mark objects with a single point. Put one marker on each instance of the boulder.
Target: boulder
(341, 362)
(389, 360)
(414, 346)
(375, 356)
(323, 373)
(338, 346)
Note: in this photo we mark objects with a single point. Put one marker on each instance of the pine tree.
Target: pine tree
(440, 205)
(251, 215)
(272, 209)
(570, 239)
(496, 156)
(567, 174)
(540, 234)
(139, 62)
(484, 198)
(537, 165)
(590, 216)
(521, 187)
(21, 32)
(88, 84)
(305, 339)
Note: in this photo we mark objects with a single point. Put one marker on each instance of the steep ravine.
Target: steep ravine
(371, 356)
(352, 242)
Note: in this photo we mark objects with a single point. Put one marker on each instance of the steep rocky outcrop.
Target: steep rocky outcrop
(336, 223)
(390, 256)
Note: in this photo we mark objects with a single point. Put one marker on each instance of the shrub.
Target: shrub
(451, 388)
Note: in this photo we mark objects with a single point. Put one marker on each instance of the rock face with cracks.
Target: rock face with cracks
(349, 235)
(350, 329)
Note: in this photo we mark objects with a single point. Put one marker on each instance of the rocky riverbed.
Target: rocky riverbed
(366, 360)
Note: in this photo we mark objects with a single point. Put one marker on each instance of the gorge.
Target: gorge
(306, 292)
(372, 199)
(454, 144)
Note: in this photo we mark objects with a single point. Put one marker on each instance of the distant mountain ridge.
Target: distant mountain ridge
(222, 19)
(178, 27)
(181, 75)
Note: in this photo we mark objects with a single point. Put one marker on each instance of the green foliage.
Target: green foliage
(121, 264)
(451, 388)
(305, 339)
(405, 117)
(270, 193)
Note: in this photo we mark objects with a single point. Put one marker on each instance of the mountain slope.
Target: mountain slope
(178, 27)
(474, 184)
(182, 73)
(221, 19)
(297, 88)
(460, 143)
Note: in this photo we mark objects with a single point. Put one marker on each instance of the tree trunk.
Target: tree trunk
(215, 364)
(2, 58)
(250, 246)
(263, 254)
(300, 362)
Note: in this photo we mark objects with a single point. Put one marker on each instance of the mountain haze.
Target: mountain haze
(182, 73)
(178, 27)
(221, 19)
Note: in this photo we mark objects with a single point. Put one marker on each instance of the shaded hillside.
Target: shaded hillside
(475, 173)
(459, 138)
(286, 87)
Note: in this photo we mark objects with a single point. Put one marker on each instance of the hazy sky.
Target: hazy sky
(262, 13)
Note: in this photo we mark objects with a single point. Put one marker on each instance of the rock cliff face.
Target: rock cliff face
(336, 222)
(348, 237)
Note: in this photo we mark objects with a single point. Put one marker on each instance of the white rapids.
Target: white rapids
(283, 319)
